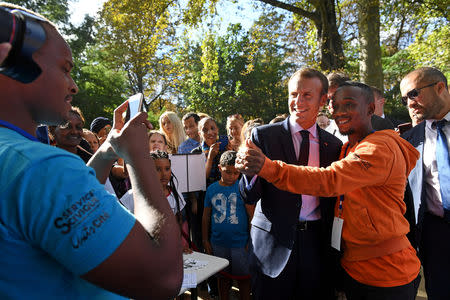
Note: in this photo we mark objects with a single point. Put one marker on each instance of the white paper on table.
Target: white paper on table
(189, 169)
(191, 264)
(189, 280)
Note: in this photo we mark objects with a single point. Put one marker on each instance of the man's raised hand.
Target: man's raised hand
(250, 159)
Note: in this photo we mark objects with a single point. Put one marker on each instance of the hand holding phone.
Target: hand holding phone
(135, 105)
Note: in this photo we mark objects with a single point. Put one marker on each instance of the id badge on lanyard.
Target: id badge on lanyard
(338, 222)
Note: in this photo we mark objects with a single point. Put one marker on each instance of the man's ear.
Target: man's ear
(323, 100)
(371, 108)
(440, 87)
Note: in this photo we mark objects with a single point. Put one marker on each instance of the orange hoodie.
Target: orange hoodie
(372, 178)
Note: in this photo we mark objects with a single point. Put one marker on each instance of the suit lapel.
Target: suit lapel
(415, 178)
(417, 136)
(323, 145)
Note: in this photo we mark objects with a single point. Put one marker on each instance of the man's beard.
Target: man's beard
(348, 132)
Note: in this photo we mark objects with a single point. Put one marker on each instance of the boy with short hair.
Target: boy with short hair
(225, 217)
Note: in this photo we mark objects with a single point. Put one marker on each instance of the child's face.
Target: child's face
(156, 142)
(164, 171)
(229, 175)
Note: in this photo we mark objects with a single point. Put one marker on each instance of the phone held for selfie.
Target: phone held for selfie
(136, 104)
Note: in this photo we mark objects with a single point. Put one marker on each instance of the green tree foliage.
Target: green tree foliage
(138, 36)
(55, 10)
(415, 35)
(231, 87)
(101, 87)
(322, 15)
(433, 49)
(144, 46)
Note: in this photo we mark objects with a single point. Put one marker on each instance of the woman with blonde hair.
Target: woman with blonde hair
(170, 124)
(234, 127)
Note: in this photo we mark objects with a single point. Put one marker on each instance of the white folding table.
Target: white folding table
(213, 264)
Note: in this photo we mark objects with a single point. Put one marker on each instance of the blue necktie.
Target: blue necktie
(443, 165)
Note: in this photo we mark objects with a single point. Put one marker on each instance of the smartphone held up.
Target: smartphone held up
(136, 104)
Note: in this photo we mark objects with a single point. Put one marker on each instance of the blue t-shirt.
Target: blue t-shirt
(187, 146)
(229, 222)
(57, 222)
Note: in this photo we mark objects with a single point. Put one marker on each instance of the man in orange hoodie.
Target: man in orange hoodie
(370, 179)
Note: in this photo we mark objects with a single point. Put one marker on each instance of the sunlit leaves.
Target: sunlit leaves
(210, 60)
(433, 49)
(259, 92)
(139, 36)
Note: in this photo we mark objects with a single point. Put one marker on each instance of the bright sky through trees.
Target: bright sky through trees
(79, 8)
(228, 12)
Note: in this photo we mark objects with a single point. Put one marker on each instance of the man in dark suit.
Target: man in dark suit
(425, 92)
(379, 123)
(290, 253)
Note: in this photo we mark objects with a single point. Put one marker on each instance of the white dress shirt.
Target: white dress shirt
(310, 204)
(430, 171)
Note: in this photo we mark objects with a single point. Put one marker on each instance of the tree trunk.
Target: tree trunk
(324, 18)
(370, 68)
(332, 55)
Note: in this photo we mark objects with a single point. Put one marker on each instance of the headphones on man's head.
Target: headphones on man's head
(25, 33)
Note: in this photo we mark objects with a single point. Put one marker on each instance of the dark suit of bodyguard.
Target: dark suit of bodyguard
(290, 259)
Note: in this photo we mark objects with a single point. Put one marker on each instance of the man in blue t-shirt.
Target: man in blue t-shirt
(61, 234)
(225, 227)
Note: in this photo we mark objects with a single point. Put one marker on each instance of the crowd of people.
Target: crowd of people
(334, 198)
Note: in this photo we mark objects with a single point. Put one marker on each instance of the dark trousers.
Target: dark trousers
(195, 220)
(435, 254)
(304, 276)
(358, 291)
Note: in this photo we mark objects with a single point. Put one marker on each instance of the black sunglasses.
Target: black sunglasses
(412, 94)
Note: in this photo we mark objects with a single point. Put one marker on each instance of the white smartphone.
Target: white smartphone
(135, 105)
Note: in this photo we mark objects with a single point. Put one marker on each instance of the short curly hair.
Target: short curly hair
(228, 158)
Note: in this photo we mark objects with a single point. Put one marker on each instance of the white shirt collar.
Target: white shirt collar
(429, 123)
(295, 128)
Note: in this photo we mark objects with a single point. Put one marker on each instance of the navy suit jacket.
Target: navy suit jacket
(414, 195)
(276, 213)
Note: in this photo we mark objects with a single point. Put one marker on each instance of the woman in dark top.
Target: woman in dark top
(69, 135)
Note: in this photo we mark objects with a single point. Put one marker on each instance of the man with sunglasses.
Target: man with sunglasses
(62, 236)
(425, 92)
